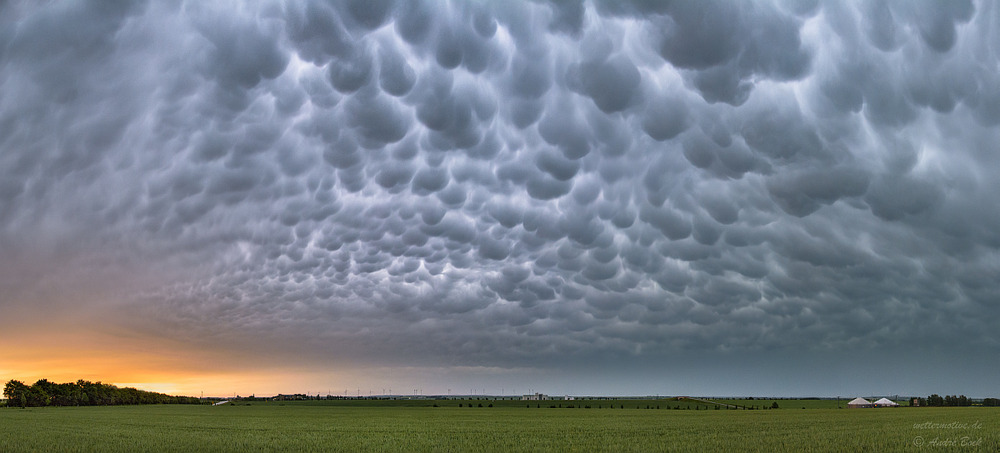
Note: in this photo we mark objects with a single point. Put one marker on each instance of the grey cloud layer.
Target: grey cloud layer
(478, 182)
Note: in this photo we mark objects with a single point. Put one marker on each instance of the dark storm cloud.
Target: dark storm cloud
(479, 183)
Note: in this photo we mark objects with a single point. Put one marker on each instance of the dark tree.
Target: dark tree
(16, 393)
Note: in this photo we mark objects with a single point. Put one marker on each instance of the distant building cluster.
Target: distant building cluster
(544, 397)
(861, 402)
(293, 397)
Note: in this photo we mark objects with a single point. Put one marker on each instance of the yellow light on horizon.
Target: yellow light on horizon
(69, 353)
(158, 387)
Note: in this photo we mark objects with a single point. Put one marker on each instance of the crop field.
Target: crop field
(508, 426)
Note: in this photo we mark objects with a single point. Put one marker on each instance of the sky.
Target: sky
(601, 197)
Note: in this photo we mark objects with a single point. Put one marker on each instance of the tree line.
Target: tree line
(83, 393)
(936, 400)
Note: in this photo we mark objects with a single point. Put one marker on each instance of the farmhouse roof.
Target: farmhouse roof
(885, 402)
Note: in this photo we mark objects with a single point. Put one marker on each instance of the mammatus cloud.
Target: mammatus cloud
(480, 184)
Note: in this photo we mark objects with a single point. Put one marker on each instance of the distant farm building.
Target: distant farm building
(295, 397)
(535, 397)
(859, 402)
(885, 402)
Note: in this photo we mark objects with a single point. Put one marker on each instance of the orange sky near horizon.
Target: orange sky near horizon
(123, 372)
(148, 364)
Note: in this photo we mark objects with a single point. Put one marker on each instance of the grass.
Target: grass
(509, 426)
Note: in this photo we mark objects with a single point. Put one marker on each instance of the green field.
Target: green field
(508, 426)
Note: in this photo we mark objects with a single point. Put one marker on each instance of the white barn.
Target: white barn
(859, 402)
(885, 402)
